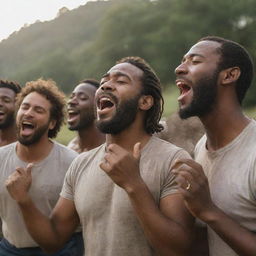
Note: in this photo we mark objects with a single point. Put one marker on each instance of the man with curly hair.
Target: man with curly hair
(8, 92)
(40, 114)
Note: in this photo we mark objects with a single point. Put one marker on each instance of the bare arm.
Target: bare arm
(199, 202)
(167, 226)
(50, 233)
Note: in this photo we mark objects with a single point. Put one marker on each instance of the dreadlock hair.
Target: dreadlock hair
(151, 86)
(49, 90)
(10, 85)
(234, 55)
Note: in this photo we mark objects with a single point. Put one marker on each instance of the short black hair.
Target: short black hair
(10, 85)
(91, 81)
(151, 86)
(235, 55)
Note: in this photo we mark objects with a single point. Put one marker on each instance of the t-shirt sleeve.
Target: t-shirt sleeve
(67, 190)
(170, 186)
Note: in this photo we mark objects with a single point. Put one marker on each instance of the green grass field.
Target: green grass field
(170, 106)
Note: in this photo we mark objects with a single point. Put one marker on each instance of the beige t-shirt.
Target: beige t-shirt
(47, 181)
(109, 224)
(231, 172)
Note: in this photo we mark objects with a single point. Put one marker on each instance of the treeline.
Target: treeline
(87, 41)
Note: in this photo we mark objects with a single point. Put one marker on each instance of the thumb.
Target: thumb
(29, 168)
(137, 150)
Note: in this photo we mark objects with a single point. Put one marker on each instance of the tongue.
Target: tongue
(27, 131)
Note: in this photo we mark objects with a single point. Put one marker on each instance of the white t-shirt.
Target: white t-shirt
(109, 224)
(231, 172)
(47, 181)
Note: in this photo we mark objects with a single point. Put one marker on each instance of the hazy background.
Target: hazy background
(86, 41)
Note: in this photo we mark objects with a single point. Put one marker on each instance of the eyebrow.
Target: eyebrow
(193, 55)
(117, 74)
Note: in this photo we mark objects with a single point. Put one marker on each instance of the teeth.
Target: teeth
(72, 112)
(27, 123)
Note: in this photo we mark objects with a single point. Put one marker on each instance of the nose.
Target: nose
(181, 69)
(28, 112)
(72, 101)
(107, 86)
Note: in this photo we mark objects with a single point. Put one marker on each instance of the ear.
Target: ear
(52, 124)
(230, 75)
(146, 102)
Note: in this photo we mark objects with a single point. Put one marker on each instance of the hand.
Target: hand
(18, 183)
(122, 166)
(193, 185)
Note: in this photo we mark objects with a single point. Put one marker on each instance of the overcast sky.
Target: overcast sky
(16, 13)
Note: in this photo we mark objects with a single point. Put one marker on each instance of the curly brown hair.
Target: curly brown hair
(50, 90)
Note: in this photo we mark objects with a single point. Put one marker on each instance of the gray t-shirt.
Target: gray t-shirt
(231, 172)
(47, 181)
(109, 224)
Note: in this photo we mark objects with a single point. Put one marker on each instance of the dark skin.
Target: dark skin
(7, 107)
(167, 226)
(223, 124)
(81, 102)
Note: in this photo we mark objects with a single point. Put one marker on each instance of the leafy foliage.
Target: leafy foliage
(87, 41)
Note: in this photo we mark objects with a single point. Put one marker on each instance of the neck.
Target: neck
(129, 137)
(223, 125)
(90, 138)
(8, 135)
(36, 152)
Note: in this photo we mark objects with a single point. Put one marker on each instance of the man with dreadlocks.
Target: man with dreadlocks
(123, 191)
(8, 92)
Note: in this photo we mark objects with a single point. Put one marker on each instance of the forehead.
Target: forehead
(207, 49)
(131, 71)
(85, 88)
(37, 100)
(7, 92)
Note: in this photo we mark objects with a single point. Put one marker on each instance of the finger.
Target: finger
(19, 170)
(137, 150)
(105, 166)
(193, 164)
(28, 169)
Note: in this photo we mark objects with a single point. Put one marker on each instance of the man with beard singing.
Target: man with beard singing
(123, 191)
(81, 117)
(221, 183)
(40, 115)
(8, 92)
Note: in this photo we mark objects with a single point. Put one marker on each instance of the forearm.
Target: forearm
(165, 235)
(41, 227)
(241, 240)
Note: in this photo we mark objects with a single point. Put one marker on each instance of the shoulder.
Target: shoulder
(8, 148)
(90, 155)
(64, 151)
(164, 149)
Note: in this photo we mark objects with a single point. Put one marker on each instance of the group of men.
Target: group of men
(124, 191)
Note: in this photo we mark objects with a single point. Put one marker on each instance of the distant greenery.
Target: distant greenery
(87, 41)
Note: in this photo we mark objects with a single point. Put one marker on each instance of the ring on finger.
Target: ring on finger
(188, 186)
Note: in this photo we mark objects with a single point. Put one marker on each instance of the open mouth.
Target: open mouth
(104, 102)
(27, 128)
(184, 88)
(72, 113)
(1, 113)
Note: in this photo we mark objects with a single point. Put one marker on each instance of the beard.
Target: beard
(30, 140)
(125, 115)
(204, 97)
(85, 121)
(9, 121)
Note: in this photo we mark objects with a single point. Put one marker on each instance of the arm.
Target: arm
(198, 201)
(50, 233)
(167, 226)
